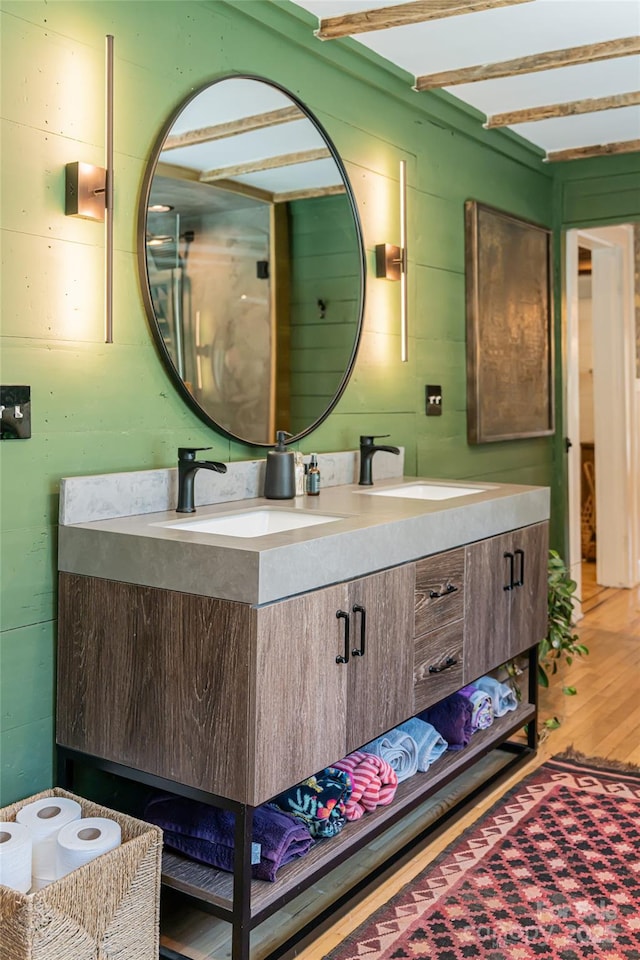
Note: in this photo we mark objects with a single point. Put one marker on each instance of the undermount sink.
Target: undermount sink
(253, 523)
(424, 491)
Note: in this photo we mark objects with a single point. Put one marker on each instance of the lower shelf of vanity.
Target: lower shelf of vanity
(215, 887)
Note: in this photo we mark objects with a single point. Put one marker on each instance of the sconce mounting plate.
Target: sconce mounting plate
(85, 191)
(388, 261)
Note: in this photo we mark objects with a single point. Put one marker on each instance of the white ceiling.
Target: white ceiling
(510, 32)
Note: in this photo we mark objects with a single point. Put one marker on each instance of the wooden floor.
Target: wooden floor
(602, 720)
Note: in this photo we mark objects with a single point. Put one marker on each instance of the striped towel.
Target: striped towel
(374, 782)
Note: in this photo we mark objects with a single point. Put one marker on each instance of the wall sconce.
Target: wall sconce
(391, 262)
(89, 191)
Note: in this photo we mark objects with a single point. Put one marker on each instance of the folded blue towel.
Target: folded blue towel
(503, 699)
(400, 751)
(429, 744)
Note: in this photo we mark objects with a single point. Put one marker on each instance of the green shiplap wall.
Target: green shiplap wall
(99, 408)
(598, 191)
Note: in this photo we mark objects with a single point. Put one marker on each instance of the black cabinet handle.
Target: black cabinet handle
(449, 662)
(358, 608)
(433, 594)
(342, 615)
(520, 553)
(511, 584)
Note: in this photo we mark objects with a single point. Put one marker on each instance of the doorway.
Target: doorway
(602, 416)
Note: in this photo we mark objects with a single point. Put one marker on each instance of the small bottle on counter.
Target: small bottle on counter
(300, 473)
(313, 477)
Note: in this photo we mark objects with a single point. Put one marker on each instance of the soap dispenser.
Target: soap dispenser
(280, 476)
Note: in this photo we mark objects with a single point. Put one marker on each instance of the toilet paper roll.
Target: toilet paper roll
(15, 856)
(84, 840)
(44, 818)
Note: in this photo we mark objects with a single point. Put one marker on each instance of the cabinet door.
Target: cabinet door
(528, 624)
(488, 571)
(300, 691)
(380, 691)
(156, 680)
(506, 597)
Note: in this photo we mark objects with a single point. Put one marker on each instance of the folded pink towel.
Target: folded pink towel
(374, 782)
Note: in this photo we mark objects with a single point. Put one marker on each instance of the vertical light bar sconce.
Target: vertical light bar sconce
(391, 263)
(108, 206)
(89, 191)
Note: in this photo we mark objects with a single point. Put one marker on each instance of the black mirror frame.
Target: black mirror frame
(143, 272)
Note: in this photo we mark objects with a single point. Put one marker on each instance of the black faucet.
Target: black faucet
(188, 466)
(367, 450)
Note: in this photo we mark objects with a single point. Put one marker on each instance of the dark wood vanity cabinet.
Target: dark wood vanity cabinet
(245, 701)
(241, 702)
(506, 597)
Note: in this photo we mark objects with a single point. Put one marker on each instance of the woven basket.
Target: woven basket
(106, 909)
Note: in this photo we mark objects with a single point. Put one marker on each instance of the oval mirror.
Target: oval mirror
(252, 261)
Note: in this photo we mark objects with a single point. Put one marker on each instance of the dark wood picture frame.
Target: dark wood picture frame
(509, 308)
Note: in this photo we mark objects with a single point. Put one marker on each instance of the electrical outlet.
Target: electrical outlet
(433, 400)
(15, 413)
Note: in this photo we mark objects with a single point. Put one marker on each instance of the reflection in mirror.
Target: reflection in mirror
(252, 261)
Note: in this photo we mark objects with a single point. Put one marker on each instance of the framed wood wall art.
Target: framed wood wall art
(509, 299)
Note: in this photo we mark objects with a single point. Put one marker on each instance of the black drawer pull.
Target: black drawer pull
(509, 586)
(449, 662)
(358, 608)
(341, 615)
(433, 594)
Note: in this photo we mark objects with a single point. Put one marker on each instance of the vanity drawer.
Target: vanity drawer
(439, 597)
(438, 665)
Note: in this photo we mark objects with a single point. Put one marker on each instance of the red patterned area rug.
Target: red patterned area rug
(551, 872)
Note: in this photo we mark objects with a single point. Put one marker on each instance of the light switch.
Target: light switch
(15, 413)
(433, 400)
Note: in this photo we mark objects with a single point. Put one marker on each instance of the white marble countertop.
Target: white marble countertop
(373, 532)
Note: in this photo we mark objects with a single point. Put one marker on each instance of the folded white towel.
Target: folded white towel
(399, 750)
(429, 743)
(503, 699)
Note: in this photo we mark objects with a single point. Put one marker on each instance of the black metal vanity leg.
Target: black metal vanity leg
(532, 727)
(241, 937)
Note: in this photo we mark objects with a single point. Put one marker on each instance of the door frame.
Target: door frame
(616, 417)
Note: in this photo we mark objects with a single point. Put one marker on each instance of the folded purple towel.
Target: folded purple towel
(207, 834)
(452, 719)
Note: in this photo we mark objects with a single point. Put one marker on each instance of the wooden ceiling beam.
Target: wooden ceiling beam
(267, 163)
(547, 60)
(233, 128)
(598, 150)
(569, 109)
(401, 15)
(333, 190)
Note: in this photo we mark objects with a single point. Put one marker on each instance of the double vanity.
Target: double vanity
(230, 654)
